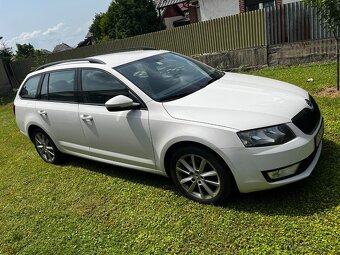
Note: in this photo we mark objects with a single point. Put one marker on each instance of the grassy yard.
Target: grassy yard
(84, 207)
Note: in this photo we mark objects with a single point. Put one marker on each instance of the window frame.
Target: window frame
(38, 87)
(75, 86)
(131, 93)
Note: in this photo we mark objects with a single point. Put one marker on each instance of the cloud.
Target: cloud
(47, 39)
(25, 37)
(39, 38)
(53, 29)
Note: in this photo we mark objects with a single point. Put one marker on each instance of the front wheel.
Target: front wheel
(45, 147)
(200, 175)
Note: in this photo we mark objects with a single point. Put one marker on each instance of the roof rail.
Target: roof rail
(90, 60)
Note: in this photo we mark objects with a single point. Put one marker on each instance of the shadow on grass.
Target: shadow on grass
(319, 192)
(4, 100)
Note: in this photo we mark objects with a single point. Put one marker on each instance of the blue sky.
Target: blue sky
(46, 23)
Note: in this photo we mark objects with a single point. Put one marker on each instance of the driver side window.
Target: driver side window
(99, 86)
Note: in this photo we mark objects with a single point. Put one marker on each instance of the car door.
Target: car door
(122, 136)
(58, 110)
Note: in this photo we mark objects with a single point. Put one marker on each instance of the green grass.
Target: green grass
(84, 207)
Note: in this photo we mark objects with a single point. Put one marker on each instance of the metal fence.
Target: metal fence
(287, 23)
(294, 22)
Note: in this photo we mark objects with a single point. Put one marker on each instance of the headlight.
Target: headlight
(266, 136)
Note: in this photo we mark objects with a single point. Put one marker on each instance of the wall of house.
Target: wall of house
(170, 20)
(5, 86)
(212, 9)
(289, 1)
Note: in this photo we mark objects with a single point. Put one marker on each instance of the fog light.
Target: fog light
(282, 173)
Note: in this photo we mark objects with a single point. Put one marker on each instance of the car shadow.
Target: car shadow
(319, 192)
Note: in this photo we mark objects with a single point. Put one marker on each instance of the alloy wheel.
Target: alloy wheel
(44, 147)
(198, 177)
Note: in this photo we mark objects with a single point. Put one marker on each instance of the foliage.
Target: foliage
(39, 60)
(125, 18)
(329, 10)
(24, 51)
(6, 53)
(84, 207)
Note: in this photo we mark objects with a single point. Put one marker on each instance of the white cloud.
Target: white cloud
(53, 29)
(47, 39)
(25, 37)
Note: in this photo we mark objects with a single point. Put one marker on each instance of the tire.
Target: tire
(200, 175)
(46, 147)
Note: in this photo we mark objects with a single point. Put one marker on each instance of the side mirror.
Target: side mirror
(121, 103)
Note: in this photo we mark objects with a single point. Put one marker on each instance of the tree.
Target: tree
(25, 51)
(126, 18)
(330, 12)
(6, 53)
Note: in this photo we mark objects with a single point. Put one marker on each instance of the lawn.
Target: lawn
(84, 207)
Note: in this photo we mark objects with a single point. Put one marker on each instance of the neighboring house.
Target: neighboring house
(61, 47)
(202, 10)
(45, 51)
(87, 41)
(178, 12)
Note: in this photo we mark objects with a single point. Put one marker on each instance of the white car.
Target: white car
(165, 113)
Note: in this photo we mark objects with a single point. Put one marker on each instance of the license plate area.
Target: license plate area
(319, 134)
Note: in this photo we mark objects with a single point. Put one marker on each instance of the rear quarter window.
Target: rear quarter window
(30, 88)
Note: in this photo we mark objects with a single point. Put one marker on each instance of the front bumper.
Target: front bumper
(249, 164)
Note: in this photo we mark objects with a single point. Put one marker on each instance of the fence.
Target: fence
(293, 23)
(288, 23)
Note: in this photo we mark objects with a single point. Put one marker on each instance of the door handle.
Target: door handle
(43, 113)
(86, 117)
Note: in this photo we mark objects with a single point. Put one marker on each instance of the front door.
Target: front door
(123, 136)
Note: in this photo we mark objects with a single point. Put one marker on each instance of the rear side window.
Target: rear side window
(61, 86)
(29, 90)
(99, 86)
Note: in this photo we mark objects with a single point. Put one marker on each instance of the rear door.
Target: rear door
(122, 136)
(58, 110)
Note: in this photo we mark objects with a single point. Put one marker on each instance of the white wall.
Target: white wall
(289, 1)
(170, 20)
(212, 9)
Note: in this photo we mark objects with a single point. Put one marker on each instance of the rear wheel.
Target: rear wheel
(200, 175)
(45, 147)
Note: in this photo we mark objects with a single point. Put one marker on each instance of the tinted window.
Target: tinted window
(99, 86)
(29, 90)
(61, 86)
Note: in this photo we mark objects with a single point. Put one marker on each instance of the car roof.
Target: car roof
(121, 58)
(111, 60)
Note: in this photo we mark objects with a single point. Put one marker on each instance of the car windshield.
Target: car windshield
(169, 76)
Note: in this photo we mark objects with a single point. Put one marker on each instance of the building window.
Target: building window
(252, 5)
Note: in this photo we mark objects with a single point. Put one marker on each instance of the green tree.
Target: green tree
(6, 53)
(330, 13)
(126, 18)
(24, 51)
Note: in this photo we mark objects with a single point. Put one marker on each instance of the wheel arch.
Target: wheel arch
(173, 147)
(30, 130)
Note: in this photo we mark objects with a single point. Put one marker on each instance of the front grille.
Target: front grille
(308, 119)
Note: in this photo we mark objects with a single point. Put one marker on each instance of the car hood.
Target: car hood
(240, 102)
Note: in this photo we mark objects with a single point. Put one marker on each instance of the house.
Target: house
(87, 41)
(178, 12)
(61, 47)
(202, 10)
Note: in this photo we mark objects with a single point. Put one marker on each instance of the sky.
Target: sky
(46, 23)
